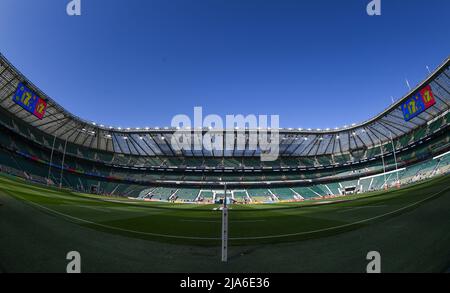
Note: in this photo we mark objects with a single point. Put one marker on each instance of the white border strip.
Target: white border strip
(387, 173)
(441, 155)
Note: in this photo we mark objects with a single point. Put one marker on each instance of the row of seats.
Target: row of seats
(85, 167)
(120, 159)
(410, 174)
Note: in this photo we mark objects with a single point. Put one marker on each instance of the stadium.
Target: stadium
(382, 184)
(224, 144)
(60, 149)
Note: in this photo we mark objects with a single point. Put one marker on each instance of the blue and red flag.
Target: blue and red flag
(418, 103)
(31, 102)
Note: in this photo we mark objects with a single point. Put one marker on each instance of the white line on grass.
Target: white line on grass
(111, 227)
(238, 238)
(351, 209)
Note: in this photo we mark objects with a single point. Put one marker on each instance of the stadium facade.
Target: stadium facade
(59, 148)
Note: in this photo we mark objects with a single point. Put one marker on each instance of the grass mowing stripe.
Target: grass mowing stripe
(351, 209)
(76, 219)
(346, 225)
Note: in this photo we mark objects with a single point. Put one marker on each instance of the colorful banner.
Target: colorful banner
(418, 103)
(28, 100)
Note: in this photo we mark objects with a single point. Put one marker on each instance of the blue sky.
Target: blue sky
(137, 63)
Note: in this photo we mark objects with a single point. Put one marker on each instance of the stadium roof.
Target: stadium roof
(293, 142)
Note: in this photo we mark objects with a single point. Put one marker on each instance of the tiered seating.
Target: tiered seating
(87, 154)
(206, 195)
(378, 182)
(435, 125)
(6, 120)
(325, 160)
(184, 194)
(173, 161)
(404, 140)
(234, 177)
(283, 193)
(391, 180)
(193, 162)
(252, 162)
(193, 177)
(134, 190)
(290, 162)
(6, 159)
(108, 187)
(260, 195)
(212, 162)
(319, 189)
(420, 133)
(240, 195)
(94, 173)
(365, 184)
(273, 164)
(445, 159)
(5, 139)
(349, 183)
(444, 164)
(12, 171)
(387, 147)
(104, 157)
(342, 158)
(212, 177)
(232, 163)
(410, 172)
(415, 172)
(38, 179)
(120, 159)
(324, 190)
(170, 176)
(306, 192)
(162, 193)
(334, 187)
(145, 193)
(306, 161)
(252, 177)
(153, 161)
(21, 128)
(31, 167)
(427, 167)
(271, 177)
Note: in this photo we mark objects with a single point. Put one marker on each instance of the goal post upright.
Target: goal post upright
(225, 227)
(395, 159)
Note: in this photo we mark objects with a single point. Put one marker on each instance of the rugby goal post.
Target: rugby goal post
(225, 227)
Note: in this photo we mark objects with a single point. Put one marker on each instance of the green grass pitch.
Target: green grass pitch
(270, 226)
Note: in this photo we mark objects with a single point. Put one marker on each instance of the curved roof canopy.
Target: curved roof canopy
(292, 142)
